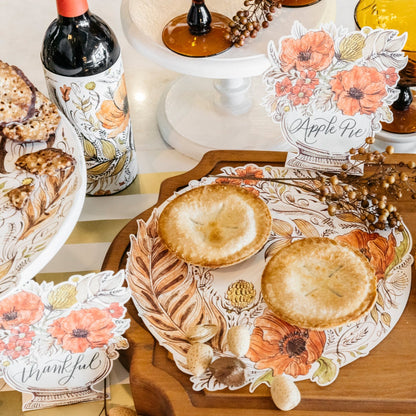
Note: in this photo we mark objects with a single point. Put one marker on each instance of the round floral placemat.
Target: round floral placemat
(171, 296)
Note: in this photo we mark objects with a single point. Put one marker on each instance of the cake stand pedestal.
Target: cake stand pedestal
(217, 104)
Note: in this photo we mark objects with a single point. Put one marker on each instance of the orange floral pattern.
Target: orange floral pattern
(284, 87)
(82, 329)
(309, 78)
(313, 51)
(65, 91)
(116, 310)
(380, 251)
(300, 93)
(243, 173)
(359, 90)
(23, 308)
(284, 348)
(114, 114)
(19, 342)
(391, 76)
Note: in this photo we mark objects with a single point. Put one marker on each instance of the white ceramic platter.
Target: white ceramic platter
(32, 235)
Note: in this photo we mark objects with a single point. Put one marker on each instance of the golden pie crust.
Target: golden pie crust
(319, 283)
(215, 225)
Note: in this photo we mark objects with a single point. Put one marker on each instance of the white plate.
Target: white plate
(31, 236)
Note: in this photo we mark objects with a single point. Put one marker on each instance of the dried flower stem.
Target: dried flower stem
(371, 197)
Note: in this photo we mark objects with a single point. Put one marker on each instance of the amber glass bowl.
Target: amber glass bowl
(197, 33)
(401, 16)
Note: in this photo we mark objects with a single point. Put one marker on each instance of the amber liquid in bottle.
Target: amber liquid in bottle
(401, 16)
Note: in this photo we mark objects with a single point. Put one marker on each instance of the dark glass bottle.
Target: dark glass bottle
(85, 79)
(79, 46)
(199, 18)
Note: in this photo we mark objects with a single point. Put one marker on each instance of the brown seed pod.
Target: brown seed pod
(229, 371)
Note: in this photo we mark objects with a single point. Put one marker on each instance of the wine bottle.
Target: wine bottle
(199, 18)
(85, 79)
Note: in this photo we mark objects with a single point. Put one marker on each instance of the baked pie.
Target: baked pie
(215, 225)
(319, 283)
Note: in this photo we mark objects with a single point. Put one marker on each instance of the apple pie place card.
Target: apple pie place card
(330, 89)
(58, 341)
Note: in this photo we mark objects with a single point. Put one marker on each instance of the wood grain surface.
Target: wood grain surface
(383, 383)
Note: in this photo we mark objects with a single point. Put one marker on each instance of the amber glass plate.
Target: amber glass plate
(177, 37)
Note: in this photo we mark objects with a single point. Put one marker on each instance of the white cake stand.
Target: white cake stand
(217, 104)
(402, 143)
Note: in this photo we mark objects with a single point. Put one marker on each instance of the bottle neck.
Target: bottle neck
(71, 8)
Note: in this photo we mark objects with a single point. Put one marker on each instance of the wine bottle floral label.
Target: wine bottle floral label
(97, 107)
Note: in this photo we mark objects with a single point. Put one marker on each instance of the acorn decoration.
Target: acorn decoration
(121, 411)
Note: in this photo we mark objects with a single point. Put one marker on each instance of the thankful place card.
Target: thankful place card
(330, 89)
(58, 341)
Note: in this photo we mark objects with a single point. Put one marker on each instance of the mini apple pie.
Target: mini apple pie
(318, 283)
(215, 225)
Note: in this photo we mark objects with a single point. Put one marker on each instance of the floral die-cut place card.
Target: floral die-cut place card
(58, 341)
(330, 89)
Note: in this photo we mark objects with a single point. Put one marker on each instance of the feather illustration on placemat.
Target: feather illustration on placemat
(166, 293)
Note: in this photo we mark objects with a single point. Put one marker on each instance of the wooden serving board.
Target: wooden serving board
(383, 383)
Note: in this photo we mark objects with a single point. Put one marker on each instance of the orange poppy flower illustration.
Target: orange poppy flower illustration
(82, 329)
(114, 114)
(391, 76)
(283, 88)
(380, 251)
(243, 173)
(283, 347)
(23, 332)
(313, 51)
(359, 90)
(115, 310)
(17, 347)
(300, 93)
(309, 79)
(23, 308)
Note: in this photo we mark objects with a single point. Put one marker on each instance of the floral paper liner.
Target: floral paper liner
(171, 296)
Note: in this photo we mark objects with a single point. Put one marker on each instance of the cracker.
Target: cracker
(46, 161)
(17, 95)
(40, 127)
(19, 196)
